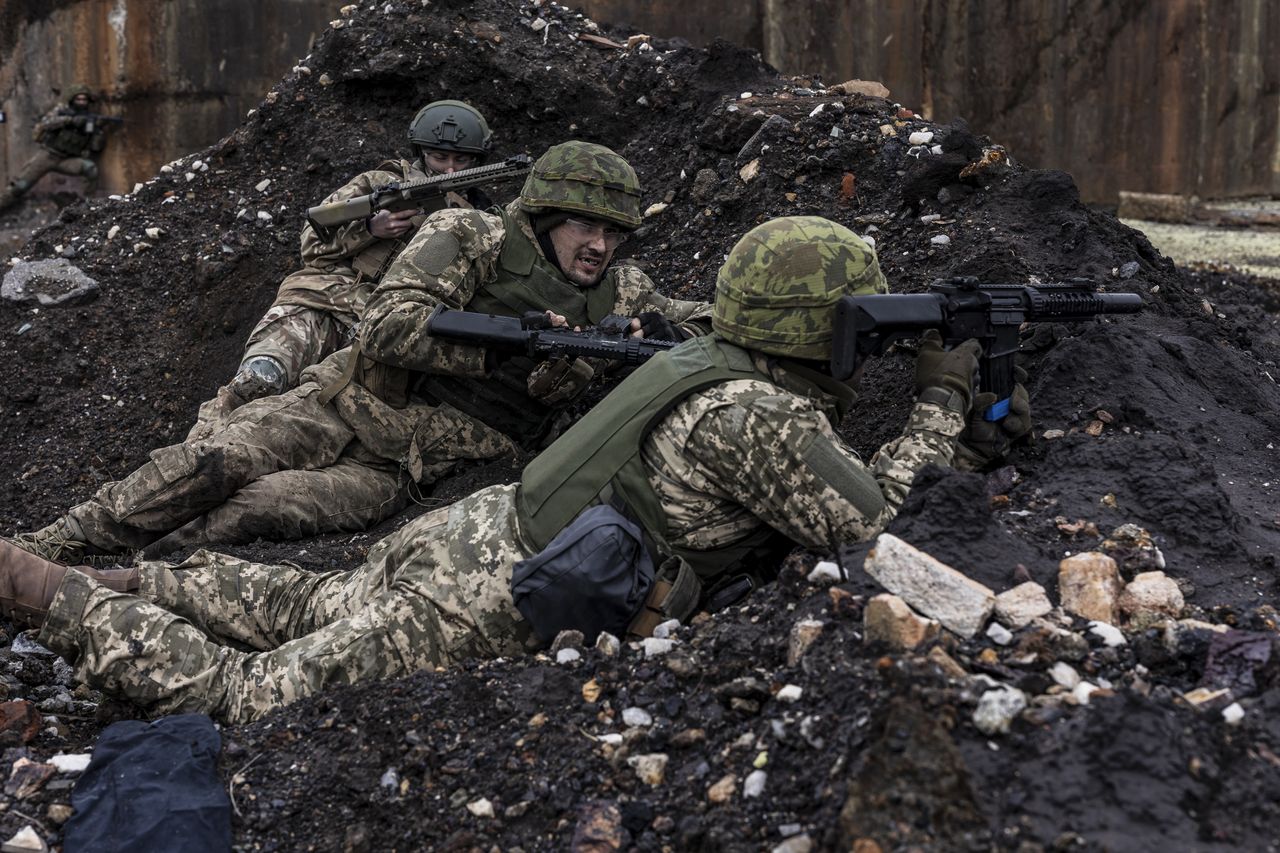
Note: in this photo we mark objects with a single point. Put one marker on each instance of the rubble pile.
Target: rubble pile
(1077, 650)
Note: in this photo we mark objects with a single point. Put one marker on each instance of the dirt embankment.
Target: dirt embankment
(543, 755)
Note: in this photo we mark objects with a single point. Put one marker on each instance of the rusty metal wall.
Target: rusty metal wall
(182, 73)
(1174, 96)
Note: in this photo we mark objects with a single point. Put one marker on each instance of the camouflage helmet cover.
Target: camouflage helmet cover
(450, 126)
(777, 290)
(78, 89)
(586, 178)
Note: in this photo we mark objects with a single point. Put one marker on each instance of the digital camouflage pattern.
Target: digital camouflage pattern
(432, 594)
(726, 461)
(587, 178)
(777, 289)
(64, 148)
(293, 465)
(450, 126)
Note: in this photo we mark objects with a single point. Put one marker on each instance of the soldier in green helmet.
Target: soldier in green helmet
(71, 138)
(399, 409)
(706, 464)
(317, 307)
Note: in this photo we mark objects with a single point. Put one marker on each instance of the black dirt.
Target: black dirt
(1167, 420)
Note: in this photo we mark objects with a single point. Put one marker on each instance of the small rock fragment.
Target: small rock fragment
(649, 768)
(997, 709)
(666, 630)
(71, 763)
(634, 716)
(940, 239)
(1082, 691)
(1151, 594)
(920, 137)
(803, 635)
(24, 841)
(654, 647)
(608, 645)
(749, 171)
(1090, 585)
(887, 619)
(753, 786)
(1064, 674)
(999, 634)
(935, 589)
(655, 209)
(871, 88)
(790, 693)
(825, 572)
(1233, 714)
(1108, 633)
(568, 656)
(480, 808)
(722, 791)
(1019, 606)
(946, 663)
(567, 640)
(26, 777)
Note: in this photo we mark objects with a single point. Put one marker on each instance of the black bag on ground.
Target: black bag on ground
(152, 788)
(592, 577)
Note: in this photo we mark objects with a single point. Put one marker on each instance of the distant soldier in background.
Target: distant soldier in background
(70, 137)
(317, 307)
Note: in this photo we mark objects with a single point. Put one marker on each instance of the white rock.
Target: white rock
(1090, 584)
(753, 786)
(935, 589)
(999, 634)
(263, 216)
(869, 240)
(261, 186)
(1065, 674)
(935, 149)
(153, 233)
(921, 137)
(654, 209)
(649, 768)
(818, 109)
(137, 188)
(390, 779)
(940, 239)
(198, 166)
(825, 571)
(790, 693)
(71, 763)
(654, 647)
(1151, 593)
(480, 808)
(613, 739)
(1016, 607)
(608, 645)
(1083, 691)
(568, 656)
(803, 635)
(931, 217)
(997, 709)
(664, 630)
(1233, 714)
(636, 717)
(23, 841)
(166, 169)
(112, 232)
(190, 176)
(1108, 633)
(744, 96)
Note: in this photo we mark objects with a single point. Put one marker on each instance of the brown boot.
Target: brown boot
(28, 583)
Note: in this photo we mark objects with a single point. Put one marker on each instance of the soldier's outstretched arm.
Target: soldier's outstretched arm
(347, 240)
(638, 295)
(777, 455)
(453, 252)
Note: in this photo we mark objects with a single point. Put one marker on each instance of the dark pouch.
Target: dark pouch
(592, 577)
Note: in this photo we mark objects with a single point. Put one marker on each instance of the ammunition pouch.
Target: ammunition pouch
(674, 595)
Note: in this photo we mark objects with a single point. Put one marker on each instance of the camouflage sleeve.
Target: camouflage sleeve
(778, 457)
(347, 240)
(637, 294)
(452, 253)
(56, 118)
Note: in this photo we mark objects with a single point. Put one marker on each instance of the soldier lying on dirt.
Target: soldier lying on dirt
(340, 451)
(317, 307)
(709, 460)
(70, 138)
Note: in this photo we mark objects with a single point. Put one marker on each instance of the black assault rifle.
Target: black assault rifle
(961, 308)
(610, 339)
(425, 193)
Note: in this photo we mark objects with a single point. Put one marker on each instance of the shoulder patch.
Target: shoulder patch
(856, 485)
(437, 252)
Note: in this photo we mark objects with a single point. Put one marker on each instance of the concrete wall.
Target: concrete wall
(182, 73)
(1179, 96)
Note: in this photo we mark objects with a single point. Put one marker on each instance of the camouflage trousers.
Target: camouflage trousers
(41, 163)
(235, 639)
(297, 336)
(282, 467)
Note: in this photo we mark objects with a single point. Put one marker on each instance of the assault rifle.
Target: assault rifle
(610, 339)
(961, 308)
(89, 122)
(425, 193)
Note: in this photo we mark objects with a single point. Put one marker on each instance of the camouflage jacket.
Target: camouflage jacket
(746, 453)
(338, 274)
(57, 132)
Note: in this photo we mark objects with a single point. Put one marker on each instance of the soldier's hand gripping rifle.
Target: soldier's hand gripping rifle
(611, 339)
(961, 308)
(89, 122)
(428, 194)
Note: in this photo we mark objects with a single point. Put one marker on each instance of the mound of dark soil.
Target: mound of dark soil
(875, 747)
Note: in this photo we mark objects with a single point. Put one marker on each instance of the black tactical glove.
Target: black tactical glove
(656, 327)
(953, 370)
(80, 121)
(535, 321)
(983, 441)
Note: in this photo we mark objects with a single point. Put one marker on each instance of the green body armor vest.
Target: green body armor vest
(525, 281)
(598, 459)
(68, 141)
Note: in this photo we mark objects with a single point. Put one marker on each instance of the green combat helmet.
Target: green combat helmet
(450, 126)
(778, 288)
(585, 178)
(80, 89)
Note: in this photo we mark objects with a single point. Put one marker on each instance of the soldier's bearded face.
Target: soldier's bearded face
(584, 247)
(80, 101)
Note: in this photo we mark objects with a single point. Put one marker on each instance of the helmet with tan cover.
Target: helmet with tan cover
(777, 290)
(583, 177)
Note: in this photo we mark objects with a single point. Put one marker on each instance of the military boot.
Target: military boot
(28, 583)
(63, 541)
